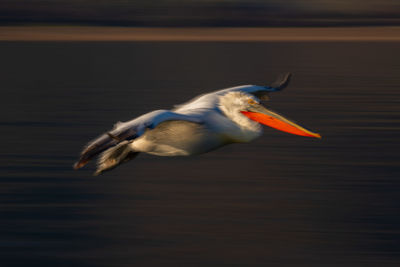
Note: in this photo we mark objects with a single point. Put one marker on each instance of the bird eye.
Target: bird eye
(251, 102)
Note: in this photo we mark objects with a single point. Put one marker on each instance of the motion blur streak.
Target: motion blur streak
(202, 13)
(279, 201)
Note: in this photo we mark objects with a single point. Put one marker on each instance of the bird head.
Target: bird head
(242, 106)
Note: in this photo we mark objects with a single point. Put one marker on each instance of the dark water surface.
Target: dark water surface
(282, 200)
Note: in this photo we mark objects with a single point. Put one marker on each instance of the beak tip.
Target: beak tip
(317, 135)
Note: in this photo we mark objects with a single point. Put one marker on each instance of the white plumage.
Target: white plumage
(203, 124)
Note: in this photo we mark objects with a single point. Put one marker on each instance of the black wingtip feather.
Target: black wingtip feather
(282, 81)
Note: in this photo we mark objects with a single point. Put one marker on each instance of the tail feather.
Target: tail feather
(103, 143)
(115, 156)
(94, 148)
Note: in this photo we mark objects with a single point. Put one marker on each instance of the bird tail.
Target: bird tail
(115, 156)
(104, 142)
(94, 148)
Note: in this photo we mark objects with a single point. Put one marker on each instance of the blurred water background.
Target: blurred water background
(281, 200)
(237, 13)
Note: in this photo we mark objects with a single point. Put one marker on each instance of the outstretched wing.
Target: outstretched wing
(125, 131)
(211, 100)
(262, 91)
(281, 82)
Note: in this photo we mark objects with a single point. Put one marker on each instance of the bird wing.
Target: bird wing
(126, 131)
(262, 91)
(210, 101)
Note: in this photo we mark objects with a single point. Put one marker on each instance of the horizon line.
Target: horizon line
(199, 34)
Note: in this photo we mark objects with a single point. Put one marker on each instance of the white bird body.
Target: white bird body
(196, 127)
(203, 124)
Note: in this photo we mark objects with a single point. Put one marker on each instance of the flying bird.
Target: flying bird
(205, 123)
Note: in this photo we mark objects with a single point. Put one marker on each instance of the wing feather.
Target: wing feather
(128, 131)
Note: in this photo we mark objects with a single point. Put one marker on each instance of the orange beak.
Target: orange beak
(264, 116)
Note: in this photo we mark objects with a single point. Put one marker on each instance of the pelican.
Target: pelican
(205, 123)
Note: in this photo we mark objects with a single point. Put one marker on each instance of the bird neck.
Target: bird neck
(247, 129)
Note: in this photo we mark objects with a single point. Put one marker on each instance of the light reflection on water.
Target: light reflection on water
(281, 200)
